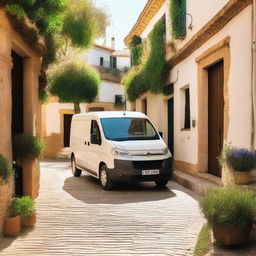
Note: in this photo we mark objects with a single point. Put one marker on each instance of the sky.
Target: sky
(124, 14)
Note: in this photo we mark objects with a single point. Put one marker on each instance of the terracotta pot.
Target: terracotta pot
(12, 226)
(228, 235)
(29, 221)
(242, 178)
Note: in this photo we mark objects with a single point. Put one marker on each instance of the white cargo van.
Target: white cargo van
(115, 146)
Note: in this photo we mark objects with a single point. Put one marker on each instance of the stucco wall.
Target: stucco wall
(108, 91)
(93, 56)
(123, 62)
(11, 40)
(237, 96)
(202, 12)
(239, 89)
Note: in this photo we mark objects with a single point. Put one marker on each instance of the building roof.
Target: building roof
(149, 11)
(121, 53)
(104, 48)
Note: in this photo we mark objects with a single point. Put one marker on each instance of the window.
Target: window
(187, 109)
(127, 128)
(95, 132)
(101, 61)
(113, 62)
(119, 100)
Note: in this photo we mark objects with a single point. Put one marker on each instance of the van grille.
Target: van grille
(147, 165)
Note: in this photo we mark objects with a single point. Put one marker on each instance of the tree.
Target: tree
(75, 82)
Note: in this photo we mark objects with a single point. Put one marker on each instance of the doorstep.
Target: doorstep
(196, 184)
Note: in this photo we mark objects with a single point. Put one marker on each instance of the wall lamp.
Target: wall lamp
(190, 26)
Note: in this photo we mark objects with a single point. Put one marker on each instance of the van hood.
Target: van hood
(140, 145)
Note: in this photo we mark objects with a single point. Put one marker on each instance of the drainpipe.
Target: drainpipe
(253, 141)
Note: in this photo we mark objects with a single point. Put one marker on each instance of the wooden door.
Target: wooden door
(67, 125)
(215, 117)
(170, 125)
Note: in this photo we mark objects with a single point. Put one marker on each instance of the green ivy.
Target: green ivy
(136, 48)
(152, 73)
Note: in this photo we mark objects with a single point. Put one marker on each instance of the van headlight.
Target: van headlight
(120, 153)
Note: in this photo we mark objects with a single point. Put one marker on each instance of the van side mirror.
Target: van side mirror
(95, 139)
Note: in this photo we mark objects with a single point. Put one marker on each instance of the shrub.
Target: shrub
(239, 159)
(27, 146)
(26, 206)
(231, 206)
(14, 207)
(5, 170)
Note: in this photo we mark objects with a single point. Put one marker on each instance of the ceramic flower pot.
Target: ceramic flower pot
(228, 235)
(29, 221)
(12, 226)
(242, 178)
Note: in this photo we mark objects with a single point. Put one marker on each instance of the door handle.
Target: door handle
(85, 143)
(88, 143)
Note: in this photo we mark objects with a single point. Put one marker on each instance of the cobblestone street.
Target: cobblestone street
(77, 217)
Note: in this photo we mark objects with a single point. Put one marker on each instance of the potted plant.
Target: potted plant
(13, 221)
(27, 211)
(240, 162)
(230, 212)
(5, 170)
(26, 146)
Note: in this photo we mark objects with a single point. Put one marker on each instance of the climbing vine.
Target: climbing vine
(136, 48)
(152, 73)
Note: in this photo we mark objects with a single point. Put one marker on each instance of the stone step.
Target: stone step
(196, 184)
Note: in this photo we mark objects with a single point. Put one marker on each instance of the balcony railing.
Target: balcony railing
(110, 74)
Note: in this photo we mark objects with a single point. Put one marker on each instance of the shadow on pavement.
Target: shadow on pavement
(5, 242)
(88, 190)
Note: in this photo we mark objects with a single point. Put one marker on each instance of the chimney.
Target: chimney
(113, 43)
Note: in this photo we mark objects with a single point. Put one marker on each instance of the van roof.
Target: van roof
(106, 114)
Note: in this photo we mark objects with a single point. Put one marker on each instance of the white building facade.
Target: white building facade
(210, 73)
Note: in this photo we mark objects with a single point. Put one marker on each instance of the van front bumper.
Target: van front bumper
(131, 171)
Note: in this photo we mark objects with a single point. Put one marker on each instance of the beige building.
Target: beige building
(56, 116)
(210, 81)
(20, 66)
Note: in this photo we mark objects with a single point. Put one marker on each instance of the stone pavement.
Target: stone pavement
(77, 217)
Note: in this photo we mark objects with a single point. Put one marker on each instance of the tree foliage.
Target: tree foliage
(75, 82)
(77, 22)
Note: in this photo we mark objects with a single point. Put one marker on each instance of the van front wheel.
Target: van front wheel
(104, 178)
(76, 172)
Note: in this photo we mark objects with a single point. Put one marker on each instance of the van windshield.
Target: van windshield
(128, 128)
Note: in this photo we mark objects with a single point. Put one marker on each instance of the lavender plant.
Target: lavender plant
(240, 159)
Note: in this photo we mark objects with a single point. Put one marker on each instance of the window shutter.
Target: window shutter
(111, 62)
(114, 62)
(183, 20)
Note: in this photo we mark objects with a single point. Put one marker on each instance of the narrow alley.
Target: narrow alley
(77, 217)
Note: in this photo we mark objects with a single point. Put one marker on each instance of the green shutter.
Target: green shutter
(114, 62)
(183, 26)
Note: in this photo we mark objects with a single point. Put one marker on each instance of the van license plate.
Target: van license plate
(150, 172)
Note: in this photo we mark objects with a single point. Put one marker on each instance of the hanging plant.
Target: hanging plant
(5, 170)
(26, 146)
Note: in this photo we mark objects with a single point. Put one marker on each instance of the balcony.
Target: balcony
(109, 73)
